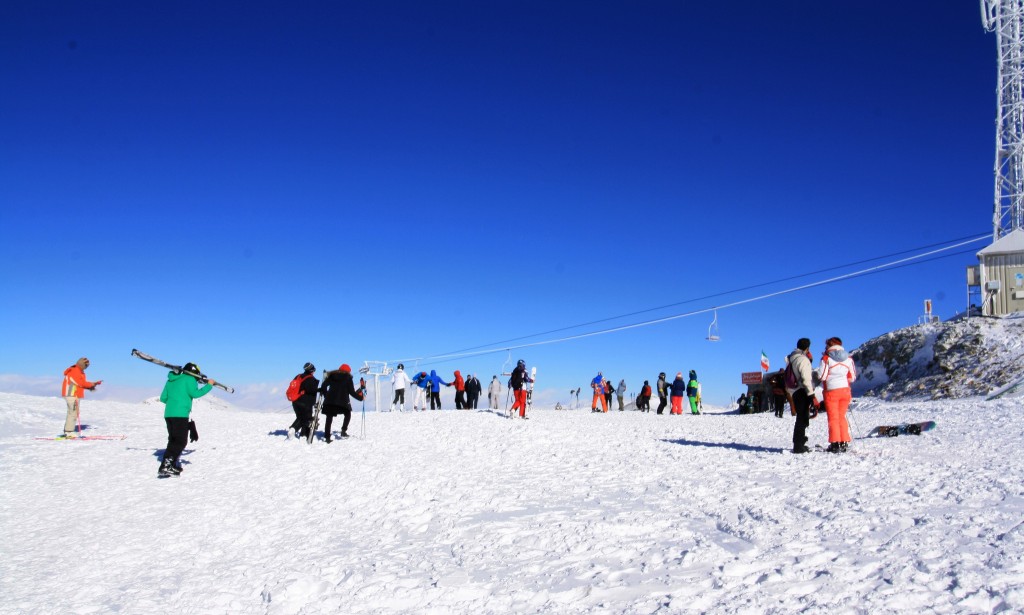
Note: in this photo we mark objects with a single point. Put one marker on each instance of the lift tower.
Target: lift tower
(1006, 19)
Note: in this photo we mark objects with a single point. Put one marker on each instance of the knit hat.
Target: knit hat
(308, 367)
(345, 368)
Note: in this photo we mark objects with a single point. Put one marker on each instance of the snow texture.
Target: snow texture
(469, 512)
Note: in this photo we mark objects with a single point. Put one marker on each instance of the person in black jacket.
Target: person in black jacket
(518, 383)
(473, 389)
(303, 406)
(664, 388)
(337, 388)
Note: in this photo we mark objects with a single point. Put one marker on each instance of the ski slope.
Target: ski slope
(467, 512)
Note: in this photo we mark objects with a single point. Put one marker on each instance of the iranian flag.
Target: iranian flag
(764, 361)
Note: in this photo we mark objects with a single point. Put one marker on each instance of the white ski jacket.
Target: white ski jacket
(399, 380)
(837, 370)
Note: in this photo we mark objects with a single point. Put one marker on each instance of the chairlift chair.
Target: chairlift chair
(713, 329)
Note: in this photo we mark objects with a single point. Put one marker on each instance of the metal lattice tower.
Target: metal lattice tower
(1006, 19)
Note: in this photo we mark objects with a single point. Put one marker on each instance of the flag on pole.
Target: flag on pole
(764, 361)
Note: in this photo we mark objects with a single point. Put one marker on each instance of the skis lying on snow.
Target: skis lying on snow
(892, 431)
(203, 378)
(62, 437)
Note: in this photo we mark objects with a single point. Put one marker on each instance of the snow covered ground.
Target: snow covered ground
(467, 512)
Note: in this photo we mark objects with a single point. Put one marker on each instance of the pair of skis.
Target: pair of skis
(177, 369)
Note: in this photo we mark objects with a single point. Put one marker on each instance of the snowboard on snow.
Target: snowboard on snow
(891, 431)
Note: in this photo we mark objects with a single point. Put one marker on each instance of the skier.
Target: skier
(836, 372)
(177, 396)
(460, 391)
(678, 393)
(336, 389)
(609, 390)
(663, 392)
(473, 390)
(693, 393)
(620, 391)
(494, 393)
(517, 383)
(598, 385)
(803, 394)
(435, 383)
(399, 380)
(644, 401)
(421, 381)
(303, 406)
(73, 390)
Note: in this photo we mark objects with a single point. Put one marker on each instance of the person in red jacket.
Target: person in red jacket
(73, 390)
(460, 391)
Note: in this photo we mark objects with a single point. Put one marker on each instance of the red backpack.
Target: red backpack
(294, 391)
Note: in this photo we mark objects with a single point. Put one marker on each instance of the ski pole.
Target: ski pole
(362, 421)
(78, 415)
(507, 393)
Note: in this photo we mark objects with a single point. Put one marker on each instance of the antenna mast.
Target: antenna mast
(1006, 19)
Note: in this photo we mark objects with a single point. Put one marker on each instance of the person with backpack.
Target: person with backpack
(693, 393)
(473, 390)
(179, 391)
(422, 382)
(337, 388)
(598, 385)
(434, 391)
(643, 402)
(460, 391)
(73, 390)
(302, 393)
(620, 392)
(836, 373)
(777, 382)
(800, 386)
(663, 392)
(399, 380)
(520, 377)
(494, 393)
(678, 390)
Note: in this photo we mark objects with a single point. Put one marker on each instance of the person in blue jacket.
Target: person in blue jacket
(435, 389)
(422, 382)
(678, 393)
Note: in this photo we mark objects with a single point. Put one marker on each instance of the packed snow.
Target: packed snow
(469, 512)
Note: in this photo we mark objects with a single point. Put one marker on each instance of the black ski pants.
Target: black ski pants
(460, 400)
(399, 397)
(435, 398)
(471, 401)
(303, 417)
(329, 418)
(662, 402)
(802, 401)
(780, 404)
(177, 438)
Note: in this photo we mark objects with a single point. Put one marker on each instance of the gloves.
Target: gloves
(193, 434)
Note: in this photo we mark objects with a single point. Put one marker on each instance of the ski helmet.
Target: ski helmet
(308, 367)
(401, 366)
(521, 363)
(191, 368)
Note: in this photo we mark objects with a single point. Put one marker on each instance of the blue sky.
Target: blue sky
(250, 186)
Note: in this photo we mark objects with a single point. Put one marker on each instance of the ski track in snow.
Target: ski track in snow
(467, 512)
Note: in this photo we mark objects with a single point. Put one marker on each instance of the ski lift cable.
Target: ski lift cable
(719, 294)
(904, 262)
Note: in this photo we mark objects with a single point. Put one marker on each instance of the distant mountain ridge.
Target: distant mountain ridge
(957, 358)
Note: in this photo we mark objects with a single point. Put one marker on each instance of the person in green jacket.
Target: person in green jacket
(693, 392)
(181, 388)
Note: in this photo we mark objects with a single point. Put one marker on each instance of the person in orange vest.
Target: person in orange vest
(73, 390)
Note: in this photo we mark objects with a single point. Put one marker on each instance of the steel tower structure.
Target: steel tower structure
(1006, 19)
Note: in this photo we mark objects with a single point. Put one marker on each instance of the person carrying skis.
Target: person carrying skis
(693, 393)
(801, 392)
(663, 392)
(435, 383)
(620, 392)
(494, 393)
(598, 385)
(836, 373)
(517, 383)
(460, 391)
(336, 389)
(399, 380)
(73, 390)
(678, 390)
(303, 406)
(422, 382)
(473, 390)
(179, 391)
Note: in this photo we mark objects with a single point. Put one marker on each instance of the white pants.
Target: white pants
(420, 401)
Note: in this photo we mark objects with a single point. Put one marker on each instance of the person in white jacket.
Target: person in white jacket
(399, 380)
(494, 393)
(802, 392)
(620, 392)
(836, 372)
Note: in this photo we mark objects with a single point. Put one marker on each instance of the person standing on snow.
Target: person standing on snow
(179, 391)
(494, 393)
(777, 382)
(435, 383)
(399, 380)
(303, 406)
(663, 392)
(609, 390)
(643, 402)
(678, 390)
(473, 389)
(598, 385)
(693, 393)
(73, 390)
(422, 382)
(460, 391)
(518, 383)
(803, 395)
(836, 373)
(337, 388)
(620, 392)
